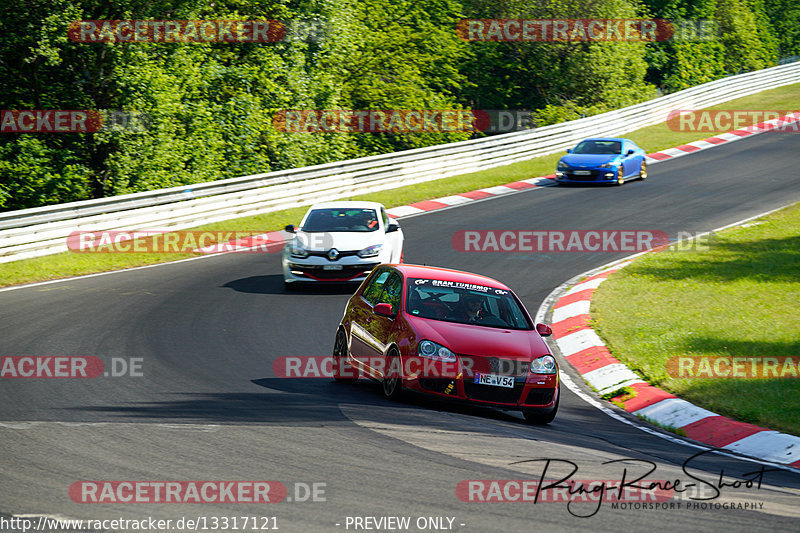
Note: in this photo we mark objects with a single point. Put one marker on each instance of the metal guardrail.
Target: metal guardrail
(43, 230)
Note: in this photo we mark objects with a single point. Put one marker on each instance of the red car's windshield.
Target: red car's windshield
(465, 303)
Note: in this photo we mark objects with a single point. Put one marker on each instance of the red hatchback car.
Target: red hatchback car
(450, 334)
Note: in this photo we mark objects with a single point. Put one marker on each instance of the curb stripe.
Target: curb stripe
(769, 445)
(574, 297)
(719, 431)
(428, 205)
(476, 195)
(591, 359)
(570, 325)
(571, 310)
(688, 148)
(549, 180)
(576, 342)
(586, 352)
(611, 377)
(590, 283)
(646, 395)
(520, 185)
(453, 200)
(674, 412)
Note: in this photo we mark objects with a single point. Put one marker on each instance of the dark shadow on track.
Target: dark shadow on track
(368, 392)
(595, 185)
(316, 402)
(273, 284)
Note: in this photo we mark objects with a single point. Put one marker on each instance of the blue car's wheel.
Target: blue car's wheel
(643, 171)
(620, 176)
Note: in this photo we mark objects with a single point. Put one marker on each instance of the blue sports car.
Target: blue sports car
(611, 160)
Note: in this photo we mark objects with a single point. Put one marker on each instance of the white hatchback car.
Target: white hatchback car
(341, 241)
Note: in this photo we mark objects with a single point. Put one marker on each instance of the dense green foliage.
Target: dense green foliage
(210, 106)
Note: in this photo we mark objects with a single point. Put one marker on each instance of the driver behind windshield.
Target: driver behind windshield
(470, 308)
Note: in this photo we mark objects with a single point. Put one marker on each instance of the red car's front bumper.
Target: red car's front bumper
(534, 391)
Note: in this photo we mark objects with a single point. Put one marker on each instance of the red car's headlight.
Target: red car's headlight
(544, 365)
(436, 351)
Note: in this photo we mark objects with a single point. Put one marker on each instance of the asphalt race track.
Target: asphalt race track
(208, 406)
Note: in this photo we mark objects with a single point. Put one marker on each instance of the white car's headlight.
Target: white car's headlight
(436, 351)
(370, 251)
(295, 250)
(544, 365)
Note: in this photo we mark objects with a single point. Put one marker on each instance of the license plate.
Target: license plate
(495, 380)
(331, 267)
(582, 172)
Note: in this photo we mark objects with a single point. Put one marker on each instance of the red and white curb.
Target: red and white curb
(402, 211)
(780, 123)
(426, 206)
(471, 196)
(278, 238)
(545, 181)
(589, 356)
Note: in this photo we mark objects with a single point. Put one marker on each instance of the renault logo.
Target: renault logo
(333, 254)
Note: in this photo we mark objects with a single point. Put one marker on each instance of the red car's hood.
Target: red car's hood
(466, 339)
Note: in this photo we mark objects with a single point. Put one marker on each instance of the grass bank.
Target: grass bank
(737, 297)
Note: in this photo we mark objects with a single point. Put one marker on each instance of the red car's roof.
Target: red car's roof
(446, 274)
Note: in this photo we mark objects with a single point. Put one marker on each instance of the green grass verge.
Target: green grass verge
(652, 139)
(736, 297)
(660, 136)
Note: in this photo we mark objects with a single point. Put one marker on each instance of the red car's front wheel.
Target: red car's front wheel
(342, 371)
(392, 382)
(541, 417)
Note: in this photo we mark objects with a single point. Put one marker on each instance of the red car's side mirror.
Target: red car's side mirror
(544, 330)
(383, 309)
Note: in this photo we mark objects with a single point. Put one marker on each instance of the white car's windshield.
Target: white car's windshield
(464, 303)
(332, 219)
(598, 147)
